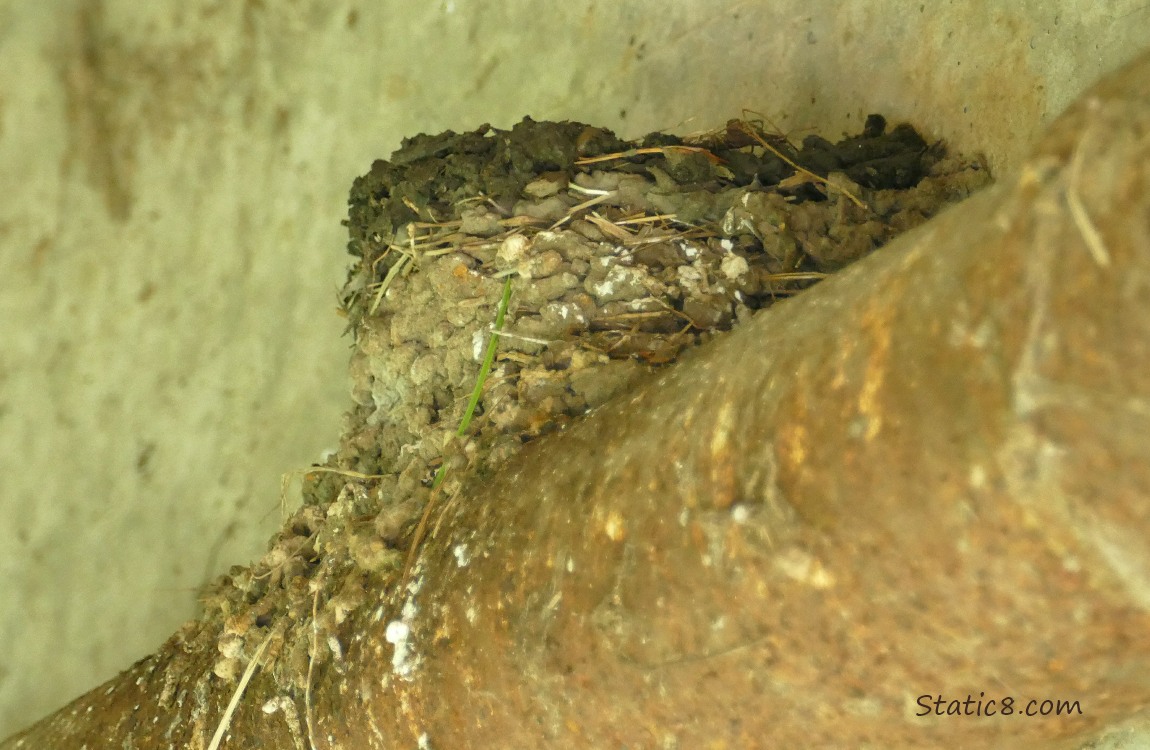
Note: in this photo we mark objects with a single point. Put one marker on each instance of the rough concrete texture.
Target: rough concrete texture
(174, 174)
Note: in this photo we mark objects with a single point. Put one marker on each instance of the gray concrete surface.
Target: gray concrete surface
(174, 175)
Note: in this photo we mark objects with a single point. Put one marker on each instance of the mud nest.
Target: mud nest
(622, 257)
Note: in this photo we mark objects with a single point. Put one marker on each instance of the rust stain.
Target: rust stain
(722, 463)
(877, 322)
(793, 441)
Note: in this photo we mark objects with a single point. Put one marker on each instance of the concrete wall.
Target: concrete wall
(173, 176)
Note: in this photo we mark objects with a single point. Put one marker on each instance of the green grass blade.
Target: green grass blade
(484, 371)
